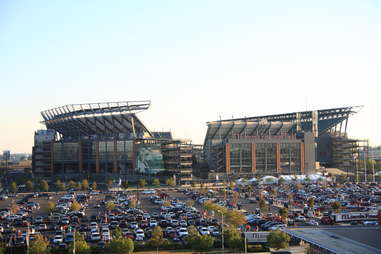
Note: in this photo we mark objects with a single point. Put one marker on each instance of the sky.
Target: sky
(195, 60)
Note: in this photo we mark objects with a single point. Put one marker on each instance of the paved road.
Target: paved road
(333, 242)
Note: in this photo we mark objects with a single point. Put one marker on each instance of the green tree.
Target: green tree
(117, 233)
(278, 239)
(156, 182)
(94, 185)
(44, 186)
(189, 202)
(81, 247)
(283, 212)
(235, 218)
(72, 184)
(85, 184)
(75, 206)
(311, 203)
(157, 238)
(51, 207)
(121, 246)
(3, 247)
(171, 182)
(39, 245)
(233, 238)
(132, 203)
(142, 183)
(202, 243)
(336, 206)
(13, 187)
(60, 185)
(263, 206)
(29, 185)
(110, 205)
(109, 183)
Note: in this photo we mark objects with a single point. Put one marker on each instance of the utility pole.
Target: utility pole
(222, 231)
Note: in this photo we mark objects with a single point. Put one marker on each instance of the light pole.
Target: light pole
(222, 230)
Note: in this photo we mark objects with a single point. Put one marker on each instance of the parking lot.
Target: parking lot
(136, 213)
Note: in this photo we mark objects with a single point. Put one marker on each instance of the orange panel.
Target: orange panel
(302, 158)
(228, 170)
(253, 158)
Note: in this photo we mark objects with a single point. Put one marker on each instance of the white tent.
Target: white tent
(269, 180)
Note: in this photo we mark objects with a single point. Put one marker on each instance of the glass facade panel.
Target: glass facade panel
(240, 158)
(290, 158)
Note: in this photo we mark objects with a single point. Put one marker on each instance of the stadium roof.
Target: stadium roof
(280, 123)
(100, 119)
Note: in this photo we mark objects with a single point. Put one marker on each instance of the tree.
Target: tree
(72, 184)
(81, 247)
(75, 206)
(13, 187)
(51, 207)
(171, 182)
(202, 243)
(121, 246)
(29, 185)
(142, 183)
(94, 185)
(167, 203)
(60, 185)
(44, 186)
(192, 233)
(117, 233)
(156, 182)
(157, 238)
(39, 245)
(263, 206)
(189, 202)
(233, 238)
(278, 239)
(235, 218)
(311, 203)
(109, 183)
(3, 247)
(85, 184)
(336, 206)
(283, 212)
(110, 205)
(132, 203)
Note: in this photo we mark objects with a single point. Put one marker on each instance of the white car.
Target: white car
(95, 237)
(106, 236)
(134, 225)
(139, 233)
(204, 231)
(183, 223)
(149, 191)
(153, 223)
(58, 239)
(370, 223)
(313, 223)
(300, 218)
(278, 226)
(183, 232)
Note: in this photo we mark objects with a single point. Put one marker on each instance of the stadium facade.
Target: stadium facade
(292, 143)
(99, 139)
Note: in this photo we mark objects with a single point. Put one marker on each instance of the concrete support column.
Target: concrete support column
(80, 157)
(227, 157)
(115, 168)
(253, 158)
(278, 167)
(97, 164)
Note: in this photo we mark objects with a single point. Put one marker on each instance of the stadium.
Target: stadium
(292, 143)
(98, 139)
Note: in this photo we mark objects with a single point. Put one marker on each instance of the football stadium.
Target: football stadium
(292, 143)
(98, 139)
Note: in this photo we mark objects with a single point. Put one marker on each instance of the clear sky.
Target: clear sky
(195, 60)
